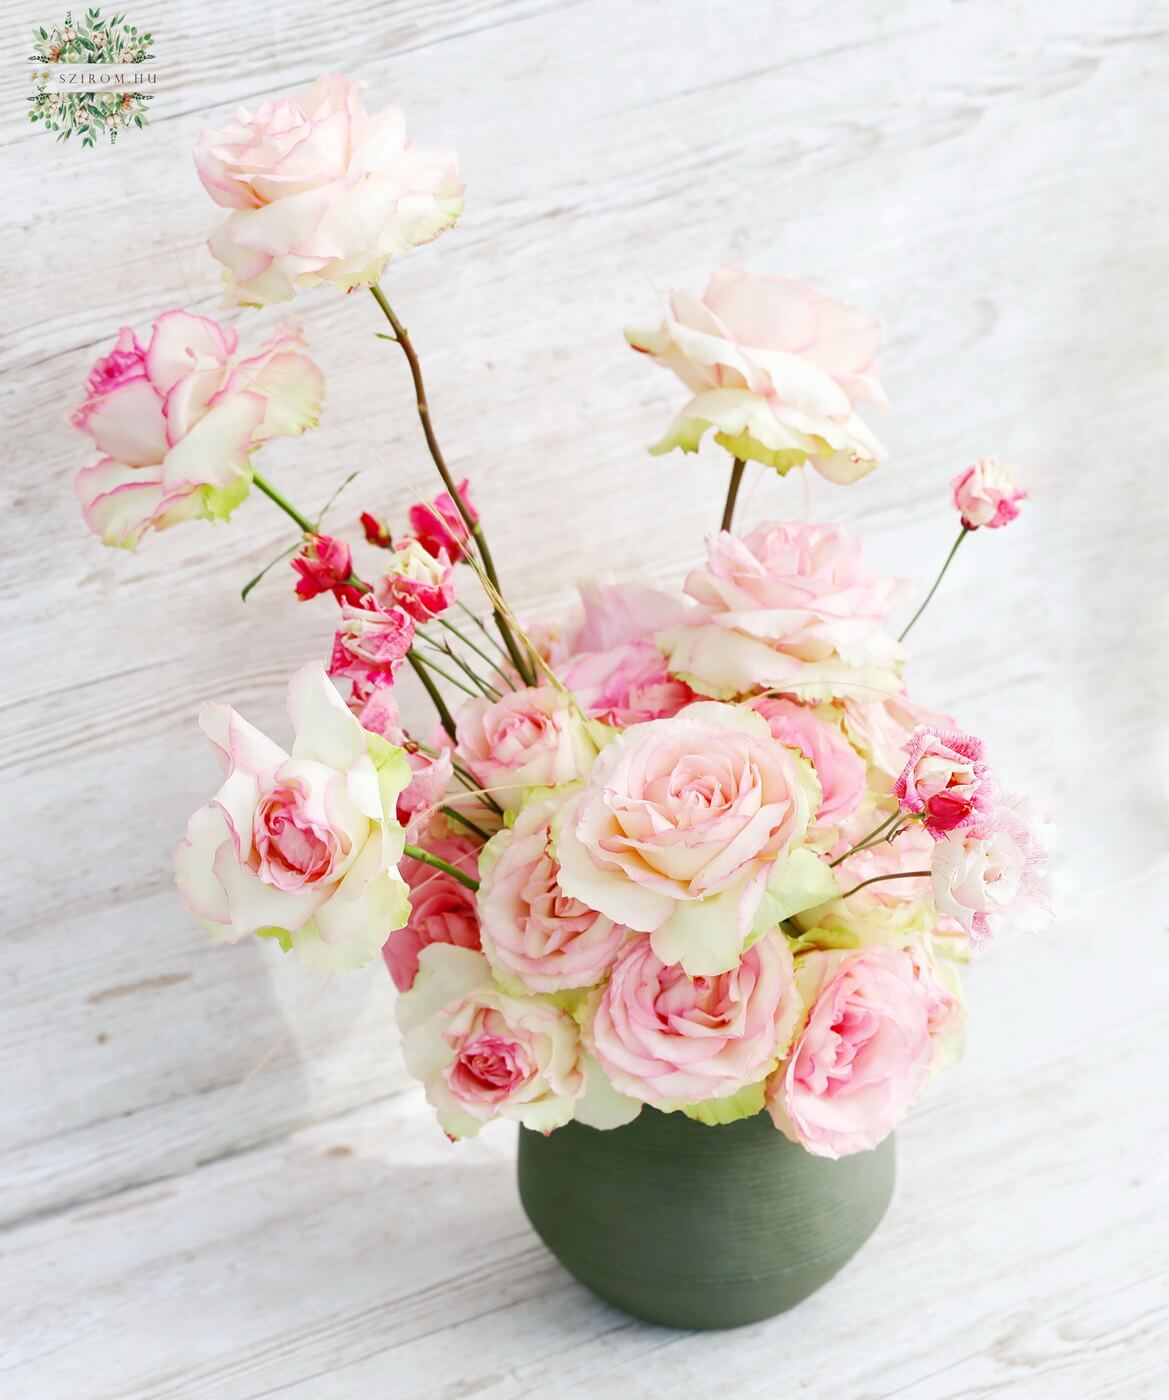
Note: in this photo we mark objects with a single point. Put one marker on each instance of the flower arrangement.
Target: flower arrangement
(701, 852)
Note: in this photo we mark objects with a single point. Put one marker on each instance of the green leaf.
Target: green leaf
(713, 1112)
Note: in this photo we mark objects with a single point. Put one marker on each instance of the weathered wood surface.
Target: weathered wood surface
(989, 178)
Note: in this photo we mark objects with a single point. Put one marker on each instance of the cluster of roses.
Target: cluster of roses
(701, 853)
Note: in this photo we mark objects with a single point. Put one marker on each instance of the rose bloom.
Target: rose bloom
(441, 909)
(776, 369)
(839, 769)
(420, 583)
(862, 1056)
(532, 931)
(482, 1054)
(945, 780)
(891, 911)
(682, 828)
(320, 192)
(673, 1040)
(790, 607)
(626, 685)
(302, 847)
(439, 525)
(618, 614)
(995, 867)
(986, 495)
(370, 644)
(528, 738)
(176, 422)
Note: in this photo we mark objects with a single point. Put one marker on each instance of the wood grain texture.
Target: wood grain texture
(989, 178)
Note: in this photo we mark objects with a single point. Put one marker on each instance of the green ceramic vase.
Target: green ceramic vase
(694, 1226)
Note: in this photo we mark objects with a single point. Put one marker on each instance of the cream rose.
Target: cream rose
(528, 738)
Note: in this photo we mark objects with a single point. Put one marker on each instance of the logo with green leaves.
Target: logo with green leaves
(90, 79)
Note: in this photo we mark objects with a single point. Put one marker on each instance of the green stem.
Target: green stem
(416, 853)
(455, 815)
(876, 879)
(519, 661)
(485, 687)
(732, 493)
(478, 650)
(864, 841)
(446, 719)
(482, 626)
(446, 675)
(284, 503)
(934, 589)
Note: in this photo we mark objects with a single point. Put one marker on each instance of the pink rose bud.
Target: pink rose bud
(325, 566)
(377, 532)
(986, 494)
(439, 525)
(370, 644)
(945, 780)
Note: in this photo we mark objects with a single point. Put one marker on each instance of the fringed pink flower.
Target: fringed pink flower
(370, 644)
(986, 495)
(419, 581)
(440, 527)
(325, 565)
(944, 781)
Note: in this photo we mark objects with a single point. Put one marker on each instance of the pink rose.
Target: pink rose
(673, 1040)
(440, 527)
(441, 909)
(790, 607)
(684, 825)
(176, 424)
(325, 565)
(626, 685)
(889, 911)
(945, 1012)
(370, 645)
(532, 930)
(320, 192)
(616, 614)
(776, 369)
(986, 495)
(862, 1056)
(945, 780)
(377, 711)
(482, 1054)
(527, 738)
(419, 582)
(881, 729)
(995, 867)
(839, 768)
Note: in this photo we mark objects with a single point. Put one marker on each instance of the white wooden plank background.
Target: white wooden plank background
(990, 178)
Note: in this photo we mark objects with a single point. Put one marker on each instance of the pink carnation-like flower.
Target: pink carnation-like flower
(945, 780)
(532, 930)
(673, 1040)
(862, 1056)
(325, 565)
(376, 532)
(791, 608)
(176, 423)
(626, 685)
(438, 525)
(996, 867)
(321, 192)
(441, 909)
(986, 495)
(370, 644)
(776, 369)
(839, 769)
(419, 582)
(527, 738)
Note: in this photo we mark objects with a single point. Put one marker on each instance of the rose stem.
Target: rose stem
(954, 550)
(473, 526)
(446, 675)
(416, 853)
(450, 627)
(732, 493)
(875, 879)
(485, 687)
(454, 814)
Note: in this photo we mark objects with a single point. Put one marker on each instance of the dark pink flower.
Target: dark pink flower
(325, 565)
(439, 525)
(370, 644)
(945, 780)
(419, 581)
(377, 532)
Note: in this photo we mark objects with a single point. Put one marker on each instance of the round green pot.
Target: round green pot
(694, 1226)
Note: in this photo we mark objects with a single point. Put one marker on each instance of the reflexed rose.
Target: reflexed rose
(985, 495)
(862, 1055)
(839, 769)
(302, 847)
(419, 582)
(776, 369)
(441, 909)
(684, 825)
(626, 685)
(532, 931)
(320, 192)
(370, 645)
(673, 1040)
(176, 423)
(482, 1054)
(790, 608)
(945, 780)
(528, 738)
(439, 526)
(996, 867)
(325, 565)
